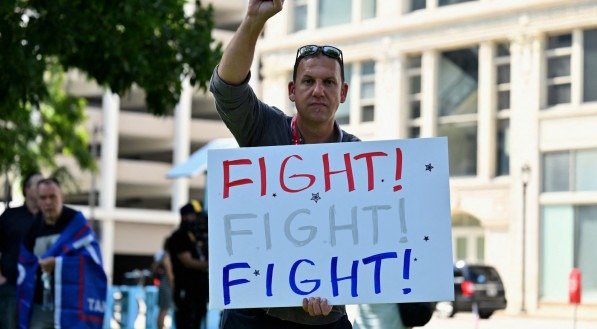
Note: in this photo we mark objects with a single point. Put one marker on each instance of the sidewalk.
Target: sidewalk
(501, 321)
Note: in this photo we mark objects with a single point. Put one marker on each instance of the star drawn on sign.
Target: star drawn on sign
(315, 197)
(428, 167)
(256, 273)
(274, 195)
(415, 259)
(426, 238)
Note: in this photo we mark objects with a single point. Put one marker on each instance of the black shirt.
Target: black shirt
(14, 225)
(191, 280)
(41, 237)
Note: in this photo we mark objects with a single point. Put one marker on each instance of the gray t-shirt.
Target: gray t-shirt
(254, 123)
(251, 121)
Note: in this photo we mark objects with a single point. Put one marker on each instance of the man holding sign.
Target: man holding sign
(317, 89)
(325, 223)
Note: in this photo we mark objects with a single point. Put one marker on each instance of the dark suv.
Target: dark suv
(480, 284)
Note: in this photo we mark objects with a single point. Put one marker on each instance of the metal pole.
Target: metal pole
(524, 215)
(92, 197)
(574, 319)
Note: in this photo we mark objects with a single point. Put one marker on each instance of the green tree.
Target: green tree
(149, 43)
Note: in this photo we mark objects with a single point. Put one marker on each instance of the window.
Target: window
(467, 238)
(502, 87)
(556, 171)
(343, 113)
(570, 171)
(571, 67)
(417, 4)
(558, 56)
(367, 100)
(590, 65)
(334, 12)
(567, 240)
(423, 4)
(299, 15)
(441, 3)
(313, 14)
(503, 148)
(413, 76)
(457, 102)
(368, 9)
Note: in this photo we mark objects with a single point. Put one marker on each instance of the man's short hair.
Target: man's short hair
(309, 51)
(50, 180)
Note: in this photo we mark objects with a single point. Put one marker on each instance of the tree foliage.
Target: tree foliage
(149, 43)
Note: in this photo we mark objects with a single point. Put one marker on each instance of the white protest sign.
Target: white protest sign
(364, 222)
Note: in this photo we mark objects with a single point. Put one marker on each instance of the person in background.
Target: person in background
(162, 269)
(317, 89)
(189, 265)
(60, 265)
(14, 224)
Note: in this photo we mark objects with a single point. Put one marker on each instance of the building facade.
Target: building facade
(511, 83)
(135, 206)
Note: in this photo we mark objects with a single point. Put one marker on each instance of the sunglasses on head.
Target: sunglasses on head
(313, 50)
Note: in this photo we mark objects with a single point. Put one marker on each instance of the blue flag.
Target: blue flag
(80, 280)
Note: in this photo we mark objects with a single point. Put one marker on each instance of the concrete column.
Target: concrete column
(181, 147)
(526, 95)
(108, 164)
(429, 73)
(389, 94)
(391, 8)
(486, 138)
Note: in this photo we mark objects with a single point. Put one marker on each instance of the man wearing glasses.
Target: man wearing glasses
(317, 89)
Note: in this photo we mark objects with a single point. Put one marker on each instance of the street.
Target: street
(501, 321)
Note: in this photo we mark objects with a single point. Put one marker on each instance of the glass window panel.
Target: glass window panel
(415, 84)
(558, 67)
(503, 148)
(367, 90)
(586, 165)
(587, 216)
(503, 73)
(368, 68)
(414, 132)
(462, 138)
(417, 4)
(558, 94)
(414, 62)
(590, 66)
(481, 249)
(300, 18)
(368, 8)
(557, 251)
(368, 113)
(458, 82)
(556, 172)
(343, 113)
(559, 41)
(461, 248)
(415, 109)
(334, 12)
(503, 101)
(503, 50)
(451, 2)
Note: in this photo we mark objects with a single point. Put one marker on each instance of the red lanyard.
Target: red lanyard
(296, 136)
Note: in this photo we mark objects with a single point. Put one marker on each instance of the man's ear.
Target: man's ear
(343, 92)
(291, 91)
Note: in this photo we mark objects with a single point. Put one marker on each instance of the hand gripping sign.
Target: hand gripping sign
(365, 222)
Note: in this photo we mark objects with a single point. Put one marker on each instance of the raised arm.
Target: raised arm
(238, 55)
